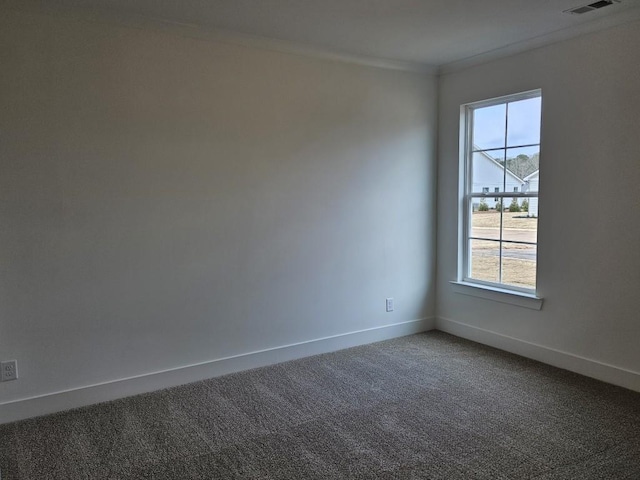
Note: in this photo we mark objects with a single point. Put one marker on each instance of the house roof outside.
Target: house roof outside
(509, 172)
(531, 176)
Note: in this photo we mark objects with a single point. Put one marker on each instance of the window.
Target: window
(502, 149)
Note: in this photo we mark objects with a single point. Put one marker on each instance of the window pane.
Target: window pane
(519, 265)
(485, 223)
(517, 226)
(489, 127)
(521, 162)
(485, 260)
(487, 171)
(524, 122)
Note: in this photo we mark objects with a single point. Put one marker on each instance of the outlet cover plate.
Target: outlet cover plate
(9, 370)
(389, 302)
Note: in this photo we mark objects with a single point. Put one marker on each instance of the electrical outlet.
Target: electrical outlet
(389, 304)
(9, 370)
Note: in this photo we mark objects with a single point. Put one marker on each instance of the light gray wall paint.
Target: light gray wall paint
(167, 201)
(589, 237)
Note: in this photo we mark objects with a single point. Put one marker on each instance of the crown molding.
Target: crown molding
(191, 30)
(626, 16)
(218, 35)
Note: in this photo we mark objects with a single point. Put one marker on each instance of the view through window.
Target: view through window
(502, 139)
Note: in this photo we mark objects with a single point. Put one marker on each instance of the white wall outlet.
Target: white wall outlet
(389, 304)
(9, 370)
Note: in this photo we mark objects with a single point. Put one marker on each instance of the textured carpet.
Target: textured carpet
(428, 406)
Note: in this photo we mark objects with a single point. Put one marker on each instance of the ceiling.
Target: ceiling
(427, 32)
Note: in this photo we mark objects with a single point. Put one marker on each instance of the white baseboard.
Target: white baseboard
(568, 361)
(102, 392)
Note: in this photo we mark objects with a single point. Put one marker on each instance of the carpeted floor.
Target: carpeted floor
(428, 406)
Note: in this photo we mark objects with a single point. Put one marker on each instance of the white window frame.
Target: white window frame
(468, 197)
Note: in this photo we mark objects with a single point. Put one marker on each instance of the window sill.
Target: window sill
(511, 297)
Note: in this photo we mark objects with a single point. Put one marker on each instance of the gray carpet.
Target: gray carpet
(428, 406)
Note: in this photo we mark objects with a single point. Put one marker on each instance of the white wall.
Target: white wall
(589, 255)
(167, 201)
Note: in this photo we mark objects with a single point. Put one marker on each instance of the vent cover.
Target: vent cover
(591, 7)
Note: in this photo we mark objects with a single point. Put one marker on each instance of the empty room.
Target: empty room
(294, 239)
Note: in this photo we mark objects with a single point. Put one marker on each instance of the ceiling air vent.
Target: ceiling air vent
(591, 7)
